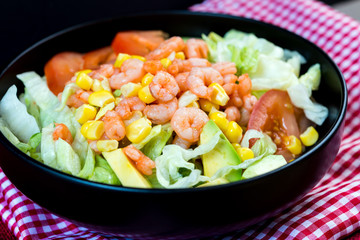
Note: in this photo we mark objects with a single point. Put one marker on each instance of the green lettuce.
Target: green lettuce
(103, 172)
(154, 147)
(67, 160)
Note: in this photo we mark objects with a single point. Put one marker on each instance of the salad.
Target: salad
(153, 111)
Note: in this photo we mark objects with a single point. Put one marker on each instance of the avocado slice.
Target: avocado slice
(221, 156)
(125, 170)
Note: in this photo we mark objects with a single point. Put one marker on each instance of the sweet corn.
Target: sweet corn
(180, 55)
(96, 86)
(145, 95)
(121, 57)
(130, 89)
(294, 145)
(220, 120)
(233, 132)
(194, 104)
(86, 71)
(101, 98)
(84, 81)
(236, 145)
(147, 79)
(309, 137)
(85, 113)
(105, 84)
(107, 145)
(245, 153)
(206, 105)
(141, 58)
(138, 130)
(93, 130)
(165, 62)
(104, 109)
(218, 95)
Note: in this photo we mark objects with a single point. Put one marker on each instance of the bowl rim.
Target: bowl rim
(337, 124)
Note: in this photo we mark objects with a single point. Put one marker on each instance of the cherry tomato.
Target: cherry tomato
(61, 68)
(93, 59)
(137, 42)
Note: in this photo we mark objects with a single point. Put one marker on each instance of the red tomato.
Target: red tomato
(137, 42)
(94, 59)
(61, 68)
(274, 115)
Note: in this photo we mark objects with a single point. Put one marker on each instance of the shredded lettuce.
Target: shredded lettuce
(67, 160)
(89, 165)
(103, 172)
(154, 147)
(48, 152)
(80, 146)
(7, 132)
(266, 164)
(69, 90)
(153, 133)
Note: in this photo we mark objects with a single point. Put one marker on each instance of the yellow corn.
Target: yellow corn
(101, 98)
(96, 86)
(130, 89)
(206, 105)
(105, 84)
(86, 71)
(145, 95)
(309, 137)
(92, 130)
(121, 57)
(118, 100)
(165, 62)
(138, 130)
(141, 58)
(220, 120)
(236, 145)
(147, 79)
(294, 145)
(245, 153)
(104, 109)
(84, 81)
(194, 104)
(107, 145)
(218, 95)
(85, 113)
(180, 55)
(233, 132)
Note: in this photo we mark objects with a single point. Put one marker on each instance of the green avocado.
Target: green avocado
(221, 156)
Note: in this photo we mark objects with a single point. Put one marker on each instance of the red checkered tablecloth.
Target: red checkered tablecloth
(330, 210)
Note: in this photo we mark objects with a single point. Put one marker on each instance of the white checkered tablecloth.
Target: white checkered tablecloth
(330, 210)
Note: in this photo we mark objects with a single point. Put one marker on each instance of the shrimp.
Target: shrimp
(164, 86)
(126, 107)
(105, 71)
(196, 48)
(235, 99)
(233, 113)
(230, 78)
(245, 116)
(93, 146)
(114, 126)
(153, 66)
(249, 102)
(179, 65)
(174, 44)
(244, 84)
(143, 163)
(79, 98)
(188, 123)
(181, 142)
(200, 78)
(181, 80)
(225, 68)
(131, 71)
(162, 112)
(63, 132)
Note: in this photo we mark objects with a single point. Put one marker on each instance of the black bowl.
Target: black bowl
(177, 213)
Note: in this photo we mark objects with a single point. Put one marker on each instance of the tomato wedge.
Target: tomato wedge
(274, 114)
(137, 42)
(61, 68)
(93, 59)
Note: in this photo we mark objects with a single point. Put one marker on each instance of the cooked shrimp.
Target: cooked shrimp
(196, 48)
(114, 126)
(79, 98)
(164, 86)
(235, 99)
(200, 78)
(174, 44)
(233, 113)
(188, 123)
(126, 107)
(225, 68)
(153, 66)
(143, 163)
(181, 80)
(161, 112)
(245, 116)
(230, 78)
(249, 102)
(63, 132)
(105, 71)
(179, 65)
(244, 84)
(131, 71)
(181, 142)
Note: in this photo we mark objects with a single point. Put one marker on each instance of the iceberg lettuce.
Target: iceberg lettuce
(67, 160)
(48, 152)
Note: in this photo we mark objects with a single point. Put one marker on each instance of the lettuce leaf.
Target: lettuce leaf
(7, 132)
(89, 165)
(103, 172)
(48, 152)
(67, 160)
(155, 146)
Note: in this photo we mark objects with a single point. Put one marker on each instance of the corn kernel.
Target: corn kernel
(130, 89)
(118, 100)
(101, 98)
(145, 95)
(141, 58)
(233, 132)
(236, 145)
(138, 130)
(309, 137)
(194, 104)
(147, 79)
(107, 145)
(105, 84)
(136, 115)
(85, 113)
(294, 145)
(220, 119)
(86, 71)
(121, 57)
(104, 109)
(206, 105)
(218, 95)
(180, 55)
(96, 86)
(84, 81)
(93, 130)
(245, 153)
(165, 62)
